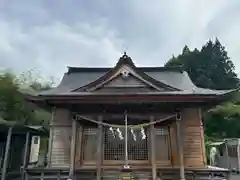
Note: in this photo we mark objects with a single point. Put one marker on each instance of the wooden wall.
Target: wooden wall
(192, 132)
(192, 139)
(61, 132)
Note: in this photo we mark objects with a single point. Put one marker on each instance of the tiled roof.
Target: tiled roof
(174, 77)
(177, 79)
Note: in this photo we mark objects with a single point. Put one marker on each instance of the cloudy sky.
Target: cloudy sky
(52, 34)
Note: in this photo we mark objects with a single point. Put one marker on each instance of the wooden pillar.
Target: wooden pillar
(79, 142)
(6, 153)
(26, 150)
(227, 156)
(180, 146)
(99, 149)
(73, 148)
(50, 140)
(202, 137)
(153, 148)
(238, 154)
(26, 153)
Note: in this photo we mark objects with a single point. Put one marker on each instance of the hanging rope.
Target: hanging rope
(121, 126)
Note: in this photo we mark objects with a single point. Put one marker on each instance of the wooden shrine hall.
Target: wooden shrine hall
(126, 122)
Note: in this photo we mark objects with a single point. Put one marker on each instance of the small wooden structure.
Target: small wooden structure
(162, 109)
(15, 144)
(228, 153)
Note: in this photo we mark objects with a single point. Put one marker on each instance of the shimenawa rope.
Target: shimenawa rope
(78, 117)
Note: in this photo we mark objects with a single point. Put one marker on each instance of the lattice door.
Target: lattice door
(114, 144)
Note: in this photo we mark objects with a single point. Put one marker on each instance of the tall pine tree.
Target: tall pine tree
(212, 68)
(209, 68)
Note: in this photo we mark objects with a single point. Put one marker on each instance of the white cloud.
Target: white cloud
(50, 35)
(51, 48)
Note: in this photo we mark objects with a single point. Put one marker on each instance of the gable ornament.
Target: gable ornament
(125, 73)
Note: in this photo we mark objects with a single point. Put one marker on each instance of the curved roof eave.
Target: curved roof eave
(179, 80)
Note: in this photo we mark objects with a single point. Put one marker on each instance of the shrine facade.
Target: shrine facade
(145, 121)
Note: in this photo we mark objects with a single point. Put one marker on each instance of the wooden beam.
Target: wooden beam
(6, 154)
(123, 97)
(153, 148)
(180, 146)
(73, 149)
(26, 154)
(99, 150)
(112, 116)
(149, 109)
(61, 125)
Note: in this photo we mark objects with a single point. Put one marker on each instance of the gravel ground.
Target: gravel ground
(235, 177)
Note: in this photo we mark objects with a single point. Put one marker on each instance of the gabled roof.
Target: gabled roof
(127, 79)
(173, 78)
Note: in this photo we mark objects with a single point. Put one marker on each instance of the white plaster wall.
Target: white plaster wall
(35, 146)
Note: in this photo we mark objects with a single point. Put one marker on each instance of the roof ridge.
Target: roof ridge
(104, 69)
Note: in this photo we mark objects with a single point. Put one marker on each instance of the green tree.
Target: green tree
(209, 68)
(13, 106)
(223, 121)
(212, 68)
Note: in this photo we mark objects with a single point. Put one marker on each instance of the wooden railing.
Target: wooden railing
(204, 174)
(164, 174)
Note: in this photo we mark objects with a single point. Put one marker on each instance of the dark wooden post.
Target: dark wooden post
(180, 146)
(227, 156)
(79, 147)
(153, 148)
(6, 154)
(202, 136)
(50, 140)
(26, 154)
(99, 150)
(73, 148)
(238, 154)
(26, 150)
